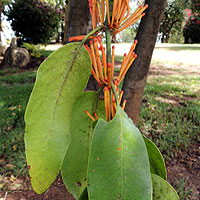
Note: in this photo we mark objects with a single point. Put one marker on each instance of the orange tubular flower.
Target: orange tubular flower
(89, 115)
(121, 19)
(99, 65)
(99, 71)
(113, 61)
(126, 63)
(107, 103)
(96, 116)
(109, 75)
(124, 104)
(78, 38)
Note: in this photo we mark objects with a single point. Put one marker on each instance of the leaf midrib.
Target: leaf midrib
(59, 94)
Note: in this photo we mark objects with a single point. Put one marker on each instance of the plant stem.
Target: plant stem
(115, 93)
(108, 54)
(108, 45)
(90, 34)
(85, 38)
(97, 99)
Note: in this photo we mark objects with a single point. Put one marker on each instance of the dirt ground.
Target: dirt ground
(185, 165)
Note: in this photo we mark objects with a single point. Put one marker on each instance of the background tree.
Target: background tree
(79, 15)
(61, 5)
(195, 6)
(172, 21)
(67, 10)
(34, 21)
(135, 79)
(2, 4)
(192, 26)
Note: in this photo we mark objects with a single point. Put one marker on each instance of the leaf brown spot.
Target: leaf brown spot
(79, 184)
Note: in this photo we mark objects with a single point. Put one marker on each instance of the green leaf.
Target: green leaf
(84, 195)
(75, 164)
(157, 164)
(162, 190)
(118, 161)
(60, 80)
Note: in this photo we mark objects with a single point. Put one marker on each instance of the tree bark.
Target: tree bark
(135, 79)
(79, 15)
(67, 10)
(1, 10)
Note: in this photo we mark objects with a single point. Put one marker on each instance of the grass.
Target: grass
(183, 192)
(171, 111)
(14, 93)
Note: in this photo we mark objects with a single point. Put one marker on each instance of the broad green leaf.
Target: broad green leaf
(60, 80)
(75, 164)
(162, 190)
(157, 164)
(84, 195)
(118, 161)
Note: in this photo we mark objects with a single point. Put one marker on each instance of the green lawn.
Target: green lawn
(171, 111)
(15, 89)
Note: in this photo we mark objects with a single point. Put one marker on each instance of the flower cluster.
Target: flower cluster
(117, 20)
(103, 72)
(103, 68)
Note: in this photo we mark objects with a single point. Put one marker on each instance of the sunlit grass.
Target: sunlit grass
(171, 111)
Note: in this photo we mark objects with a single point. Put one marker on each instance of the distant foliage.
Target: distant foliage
(127, 35)
(34, 21)
(192, 26)
(33, 50)
(192, 29)
(195, 6)
(172, 20)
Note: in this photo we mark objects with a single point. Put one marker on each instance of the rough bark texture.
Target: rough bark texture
(135, 79)
(79, 18)
(67, 10)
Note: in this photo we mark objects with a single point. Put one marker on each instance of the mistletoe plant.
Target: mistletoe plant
(100, 153)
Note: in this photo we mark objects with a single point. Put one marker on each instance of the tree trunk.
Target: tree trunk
(1, 10)
(79, 15)
(66, 28)
(135, 79)
(167, 38)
